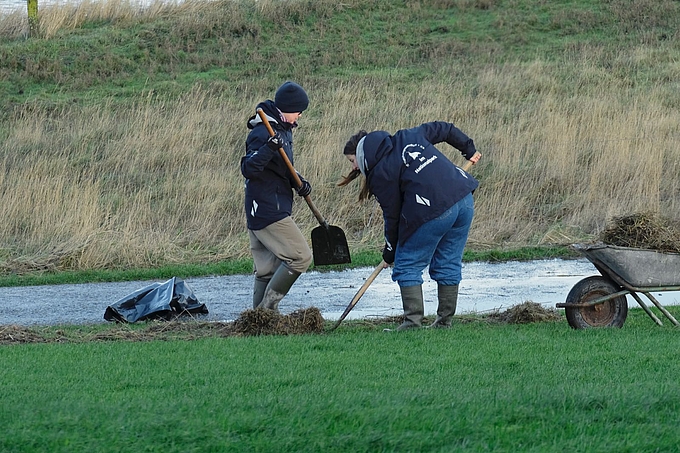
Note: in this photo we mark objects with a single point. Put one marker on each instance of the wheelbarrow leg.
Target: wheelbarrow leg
(662, 308)
(646, 308)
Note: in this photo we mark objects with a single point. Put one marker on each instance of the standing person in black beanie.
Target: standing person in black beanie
(280, 251)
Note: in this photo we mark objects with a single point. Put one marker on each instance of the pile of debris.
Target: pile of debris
(268, 322)
(526, 313)
(250, 323)
(643, 231)
(17, 335)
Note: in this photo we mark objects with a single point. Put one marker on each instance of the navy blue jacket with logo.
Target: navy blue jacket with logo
(269, 183)
(411, 179)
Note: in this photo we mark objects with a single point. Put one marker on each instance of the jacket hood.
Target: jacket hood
(376, 145)
(270, 110)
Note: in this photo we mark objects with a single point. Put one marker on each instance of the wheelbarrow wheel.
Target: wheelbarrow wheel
(611, 313)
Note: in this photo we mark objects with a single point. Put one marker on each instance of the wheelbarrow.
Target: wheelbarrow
(600, 300)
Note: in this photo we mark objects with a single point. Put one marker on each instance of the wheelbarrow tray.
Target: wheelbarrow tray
(640, 268)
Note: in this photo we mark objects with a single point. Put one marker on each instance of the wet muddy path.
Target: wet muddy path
(485, 287)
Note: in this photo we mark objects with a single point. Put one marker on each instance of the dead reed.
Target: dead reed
(567, 144)
(158, 182)
(644, 230)
(267, 322)
(525, 313)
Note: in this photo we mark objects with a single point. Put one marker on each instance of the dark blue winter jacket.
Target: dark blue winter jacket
(269, 183)
(411, 179)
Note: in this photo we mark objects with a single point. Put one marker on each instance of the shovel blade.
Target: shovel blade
(329, 246)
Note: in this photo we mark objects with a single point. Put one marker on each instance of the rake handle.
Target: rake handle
(360, 293)
(468, 165)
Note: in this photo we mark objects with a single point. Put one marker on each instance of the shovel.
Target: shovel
(372, 277)
(329, 244)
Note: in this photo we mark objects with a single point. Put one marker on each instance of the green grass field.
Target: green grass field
(477, 387)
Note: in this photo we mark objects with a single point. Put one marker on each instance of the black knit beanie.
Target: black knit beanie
(291, 98)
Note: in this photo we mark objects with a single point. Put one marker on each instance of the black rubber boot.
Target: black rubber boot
(259, 288)
(448, 299)
(278, 287)
(412, 300)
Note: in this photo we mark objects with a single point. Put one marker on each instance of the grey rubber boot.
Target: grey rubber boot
(448, 299)
(259, 288)
(412, 300)
(278, 287)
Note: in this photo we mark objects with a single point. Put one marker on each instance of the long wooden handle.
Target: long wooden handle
(468, 165)
(360, 293)
(283, 154)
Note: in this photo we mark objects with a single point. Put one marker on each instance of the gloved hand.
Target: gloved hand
(275, 142)
(305, 189)
(388, 254)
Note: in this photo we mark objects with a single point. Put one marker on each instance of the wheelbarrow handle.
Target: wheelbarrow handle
(284, 156)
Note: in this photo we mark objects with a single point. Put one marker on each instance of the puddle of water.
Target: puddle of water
(485, 287)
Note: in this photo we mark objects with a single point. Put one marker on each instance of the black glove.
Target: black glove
(388, 254)
(305, 189)
(275, 142)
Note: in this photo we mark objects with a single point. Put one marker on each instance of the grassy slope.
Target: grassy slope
(229, 42)
(233, 46)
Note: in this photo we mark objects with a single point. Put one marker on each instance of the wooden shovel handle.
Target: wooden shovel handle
(360, 293)
(283, 154)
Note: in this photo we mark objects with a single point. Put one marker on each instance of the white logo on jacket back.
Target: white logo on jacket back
(412, 154)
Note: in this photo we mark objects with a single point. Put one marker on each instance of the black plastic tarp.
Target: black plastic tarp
(156, 301)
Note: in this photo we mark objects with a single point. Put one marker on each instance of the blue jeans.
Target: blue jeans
(438, 243)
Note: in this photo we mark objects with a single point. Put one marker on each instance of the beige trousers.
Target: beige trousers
(280, 242)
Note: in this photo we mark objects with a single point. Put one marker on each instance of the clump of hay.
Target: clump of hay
(261, 321)
(645, 231)
(192, 329)
(526, 313)
(158, 330)
(13, 334)
(251, 322)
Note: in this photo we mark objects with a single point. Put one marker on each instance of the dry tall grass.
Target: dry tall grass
(565, 146)
(58, 15)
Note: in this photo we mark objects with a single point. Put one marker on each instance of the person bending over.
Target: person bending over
(427, 208)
